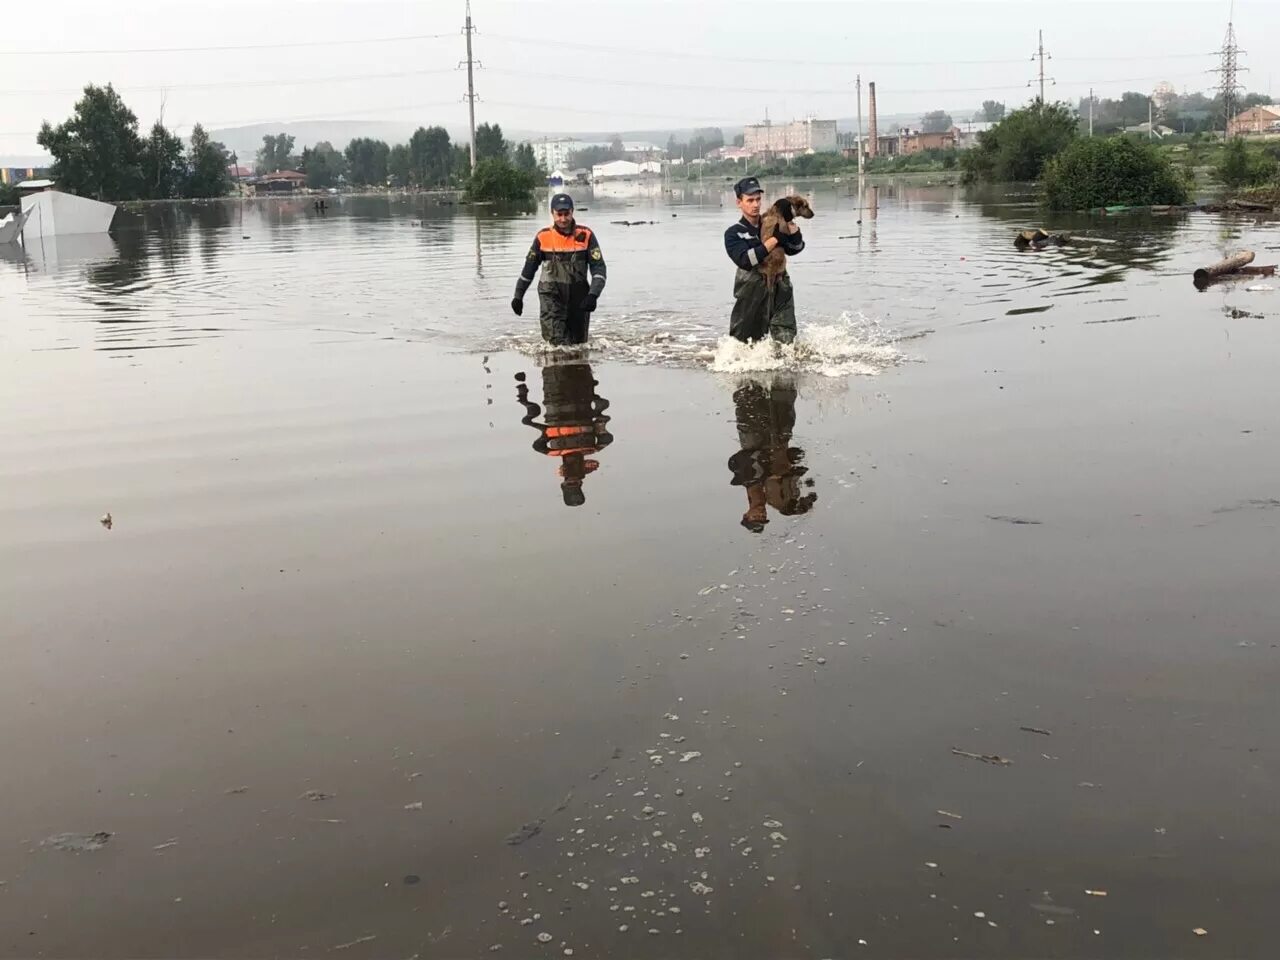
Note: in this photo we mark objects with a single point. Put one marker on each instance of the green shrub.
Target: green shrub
(1102, 171)
(497, 179)
(8, 195)
(1018, 147)
(1242, 167)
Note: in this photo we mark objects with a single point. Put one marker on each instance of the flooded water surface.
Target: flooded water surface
(340, 618)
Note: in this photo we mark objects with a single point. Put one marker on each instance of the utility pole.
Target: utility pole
(858, 143)
(1151, 124)
(1042, 56)
(471, 87)
(1091, 111)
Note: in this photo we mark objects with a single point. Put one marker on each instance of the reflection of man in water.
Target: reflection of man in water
(767, 465)
(574, 426)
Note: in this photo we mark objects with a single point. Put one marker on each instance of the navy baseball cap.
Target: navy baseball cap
(562, 201)
(747, 186)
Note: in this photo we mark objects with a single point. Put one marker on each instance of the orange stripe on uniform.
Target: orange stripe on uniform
(552, 240)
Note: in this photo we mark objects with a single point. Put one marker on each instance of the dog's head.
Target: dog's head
(800, 207)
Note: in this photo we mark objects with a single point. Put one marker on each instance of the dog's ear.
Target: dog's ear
(784, 210)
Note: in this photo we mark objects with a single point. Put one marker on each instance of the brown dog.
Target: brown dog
(783, 210)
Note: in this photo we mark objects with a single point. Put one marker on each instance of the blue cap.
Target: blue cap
(747, 186)
(562, 201)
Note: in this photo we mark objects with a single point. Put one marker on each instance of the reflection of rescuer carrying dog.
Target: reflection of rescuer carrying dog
(766, 464)
(574, 426)
(567, 252)
(763, 301)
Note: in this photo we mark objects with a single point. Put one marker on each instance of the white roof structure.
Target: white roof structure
(54, 214)
(34, 185)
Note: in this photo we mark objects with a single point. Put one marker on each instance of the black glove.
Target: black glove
(589, 302)
(517, 306)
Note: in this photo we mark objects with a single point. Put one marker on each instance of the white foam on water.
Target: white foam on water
(852, 346)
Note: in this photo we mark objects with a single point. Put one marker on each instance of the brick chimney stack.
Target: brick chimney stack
(873, 134)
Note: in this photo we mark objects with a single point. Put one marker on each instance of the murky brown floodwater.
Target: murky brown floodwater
(347, 677)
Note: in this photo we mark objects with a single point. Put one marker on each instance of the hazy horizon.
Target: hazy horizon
(626, 66)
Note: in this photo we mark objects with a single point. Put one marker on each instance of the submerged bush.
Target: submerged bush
(1104, 171)
(496, 179)
(1018, 147)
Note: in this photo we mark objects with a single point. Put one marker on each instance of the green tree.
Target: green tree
(1101, 171)
(1242, 166)
(936, 121)
(276, 153)
(97, 152)
(489, 142)
(1018, 147)
(993, 111)
(459, 164)
(526, 161)
(163, 165)
(323, 165)
(207, 161)
(497, 179)
(431, 156)
(367, 161)
(617, 147)
(400, 164)
(8, 195)
(1255, 100)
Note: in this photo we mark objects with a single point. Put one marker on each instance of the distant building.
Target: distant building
(1145, 128)
(917, 142)
(12, 175)
(791, 139)
(1257, 121)
(615, 170)
(239, 172)
(728, 153)
(282, 181)
(966, 133)
(554, 154)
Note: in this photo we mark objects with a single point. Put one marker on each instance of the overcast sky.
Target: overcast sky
(568, 65)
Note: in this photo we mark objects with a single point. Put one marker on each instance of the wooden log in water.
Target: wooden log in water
(1223, 267)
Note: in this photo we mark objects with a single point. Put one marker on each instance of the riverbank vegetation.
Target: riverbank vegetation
(1096, 172)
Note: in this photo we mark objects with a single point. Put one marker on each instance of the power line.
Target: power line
(107, 51)
(220, 85)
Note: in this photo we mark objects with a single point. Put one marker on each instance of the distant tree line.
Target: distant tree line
(1183, 113)
(98, 153)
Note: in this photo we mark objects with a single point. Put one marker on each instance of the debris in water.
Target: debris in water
(629, 880)
(1200, 931)
(1016, 521)
(78, 842)
(1046, 733)
(166, 845)
(697, 818)
(948, 813)
(691, 755)
(700, 888)
(411, 878)
(413, 806)
(984, 757)
(235, 790)
(316, 796)
(106, 521)
(354, 943)
(623, 928)
(544, 938)
(1096, 893)
(527, 832)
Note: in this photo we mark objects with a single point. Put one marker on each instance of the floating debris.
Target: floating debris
(1096, 893)
(78, 842)
(984, 757)
(106, 521)
(236, 790)
(1200, 931)
(166, 845)
(417, 805)
(700, 888)
(315, 796)
(948, 813)
(1043, 733)
(629, 880)
(356, 942)
(545, 938)
(411, 878)
(691, 755)
(697, 818)
(1016, 521)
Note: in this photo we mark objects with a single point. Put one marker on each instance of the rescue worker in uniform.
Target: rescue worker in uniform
(575, 425)
(759, 312)
(766, 464)
(567, 251)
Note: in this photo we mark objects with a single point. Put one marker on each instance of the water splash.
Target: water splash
(853, 345)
